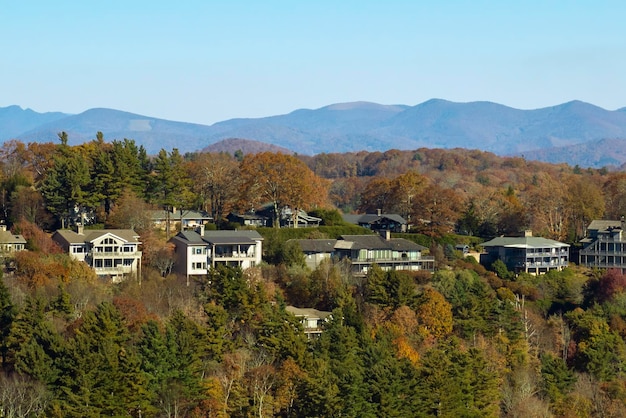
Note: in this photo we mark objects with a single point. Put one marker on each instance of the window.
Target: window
(197, 250)
(128, 261)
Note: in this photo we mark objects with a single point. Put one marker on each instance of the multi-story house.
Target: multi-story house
(533, 255)
(113, 253)
(365, 250)
(199, 250)
(605, 245)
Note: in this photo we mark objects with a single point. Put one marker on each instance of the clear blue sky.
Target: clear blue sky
(207, 61)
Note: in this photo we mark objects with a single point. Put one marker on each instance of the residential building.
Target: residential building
(316, 250)
(311, 319)
(184, 219)
(198, 250)
(379, 221)
(533, 255)
(113, 253)
(10, 242)
(286, 217)
(365, 250)
(248, 219)
(605, 245)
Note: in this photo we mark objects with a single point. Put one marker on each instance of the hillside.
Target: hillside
(246, 146)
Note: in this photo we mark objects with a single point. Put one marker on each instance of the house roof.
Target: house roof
(89, 235)
(603, 225)
(524, 242)
(316, 245)
(376, 242)
(248, 216)
(7, 237)
(369, 218)
(308, 312)
(219, 237)
(178, 216)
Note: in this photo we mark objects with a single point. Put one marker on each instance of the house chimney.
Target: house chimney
(379, 212)
(623, 223)
(200, 229)
(80, 229)
(385, 234)
(528, 233)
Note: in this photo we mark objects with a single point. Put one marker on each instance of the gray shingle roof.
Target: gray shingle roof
(372, 218)
(219, 237)
(316, 245)
(308, 312)
(376, 242)
(6, 237)
(604, 225)
(524, 242)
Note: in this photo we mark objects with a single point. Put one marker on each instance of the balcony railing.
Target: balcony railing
(234, 255)
(104, 254)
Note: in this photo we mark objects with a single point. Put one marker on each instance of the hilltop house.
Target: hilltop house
(198, 250)
(605, 245)
(111, 253)
(528, 254)
(365, 250)
(378, 222)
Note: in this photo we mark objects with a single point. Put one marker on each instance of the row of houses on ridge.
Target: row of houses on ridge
(116, 253)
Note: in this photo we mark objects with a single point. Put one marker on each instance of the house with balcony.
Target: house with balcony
(9, 242)
(529, 254)
(365, 250)
(604, 247)
(113, 253)
(197, 251)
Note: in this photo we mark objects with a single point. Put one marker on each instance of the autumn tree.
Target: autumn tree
(283, 181)
(585, 203)
(614, 191)
(216, 181)
(434, 314)
(404, 190)
(436, 210)
(130, 211)
(376, 196)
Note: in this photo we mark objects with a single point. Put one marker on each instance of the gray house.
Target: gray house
(365, 250)
(605, 245)
(528, 254)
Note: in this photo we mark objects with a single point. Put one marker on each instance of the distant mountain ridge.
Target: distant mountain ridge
(553, 133)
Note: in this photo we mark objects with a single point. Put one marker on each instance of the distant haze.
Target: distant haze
(551, 134)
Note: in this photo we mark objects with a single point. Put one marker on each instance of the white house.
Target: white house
(198, 251)
(110, 252)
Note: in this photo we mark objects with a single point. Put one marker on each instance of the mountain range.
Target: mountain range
(574, 132)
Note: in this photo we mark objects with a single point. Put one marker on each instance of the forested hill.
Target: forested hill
(355, 126)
